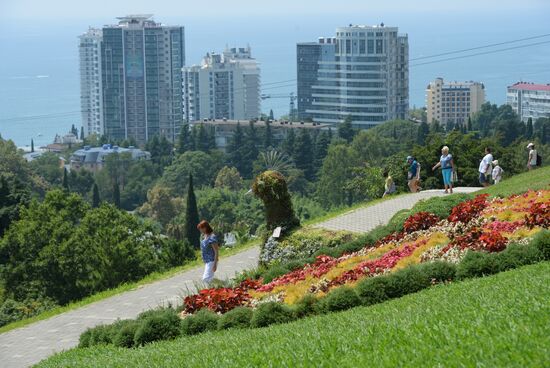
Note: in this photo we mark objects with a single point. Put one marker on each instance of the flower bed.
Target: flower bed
(479, 224)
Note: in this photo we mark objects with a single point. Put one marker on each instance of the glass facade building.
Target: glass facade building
(141, 63)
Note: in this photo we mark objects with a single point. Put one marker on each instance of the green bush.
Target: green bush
(306, 306)
(542, 242)
(296, 264)
(125, 336)
(236, 318)
(332, 252)
(271, 313)
(159, 326)
(101, 335)
(202, 321)
(341, 298)
(440, 206)
(372, 290)
(84, 339)
(439, 271)
(406, 281)
(516, 255)
(476, 264)
(274, 272)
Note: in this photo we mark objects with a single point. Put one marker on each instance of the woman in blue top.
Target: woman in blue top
(209, 251)
(447, 167)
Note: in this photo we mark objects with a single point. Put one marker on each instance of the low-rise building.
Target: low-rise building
(453, 102)
(224, 129)
(93, 158)
(529, 100)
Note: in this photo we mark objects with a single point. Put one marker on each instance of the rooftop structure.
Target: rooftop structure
(93, 158)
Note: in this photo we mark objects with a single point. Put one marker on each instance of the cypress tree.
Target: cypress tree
(81, 133)
(190, 231)
(95, 196)
(268, 136)
(345, 130)
(288, 143)
(271, 115)
(201, 142)
(470, 127)
(321, 149)
(32, 145)
(211, 137)
(529, 129)
(116, 194)
(65, 179)
(234, 149)
(423, 131)
(303, 154)
(250, 150)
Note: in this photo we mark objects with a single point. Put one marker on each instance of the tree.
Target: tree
(65, 179)
(529, 129)
(470, 126)
(271, 115)
(321, 147)
(184, 139)
(507, 126)
(81, 133)
(161, 205)
(95, 196)
(116, 194)
(250, 150)
(32, 145)
(48, 167)
(235, 149)
(201, 138)
(423, 131)
(191, 233)
(345, 129)
(288, 143)
(268, 136)
(228, 177)
(367, 183)
(271, 188)
(273, 160)
(303, 154)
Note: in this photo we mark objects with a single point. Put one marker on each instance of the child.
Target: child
(389, 185)
(497, 172)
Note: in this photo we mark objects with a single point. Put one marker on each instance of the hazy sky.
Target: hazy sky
(79, 9)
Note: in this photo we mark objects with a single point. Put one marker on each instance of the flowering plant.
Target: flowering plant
(420, 221)
(466, 211)
(219, 300)
(539, 215)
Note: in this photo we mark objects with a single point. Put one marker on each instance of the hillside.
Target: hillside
(500, 320)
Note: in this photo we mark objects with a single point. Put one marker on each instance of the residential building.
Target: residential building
(367, 80)
(141, 63)
(453, 102)
(308, 56)
(93, 158)
(225, 128)
(91, 101)
(224, 86)
(529, 100)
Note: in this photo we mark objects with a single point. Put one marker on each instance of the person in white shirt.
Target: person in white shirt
(532, 159)
(485, 167)
(497, 172)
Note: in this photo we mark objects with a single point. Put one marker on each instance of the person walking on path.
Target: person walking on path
(210, 250)
(413, 175)
(532, 159)
(447, 168)
(485, 167)
(389, 185)
(497, 172)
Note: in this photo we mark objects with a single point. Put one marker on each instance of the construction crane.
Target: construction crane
(291, 96)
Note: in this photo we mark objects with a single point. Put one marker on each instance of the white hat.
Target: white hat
(530, 145)
(495, 162)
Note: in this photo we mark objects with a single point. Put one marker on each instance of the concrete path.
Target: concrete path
(28, 345)
(367, 218)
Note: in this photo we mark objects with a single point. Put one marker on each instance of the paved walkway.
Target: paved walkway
(28, 345)
(367, 218)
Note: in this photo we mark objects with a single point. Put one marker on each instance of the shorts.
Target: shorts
(208, 274)
(483, 178)
(447, 175)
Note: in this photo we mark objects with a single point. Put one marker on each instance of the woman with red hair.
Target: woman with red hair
(209, 251)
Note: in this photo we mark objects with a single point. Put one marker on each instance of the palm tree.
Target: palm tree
(275, 160)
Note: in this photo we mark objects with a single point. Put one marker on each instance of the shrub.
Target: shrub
(341, 298)
(237, 318)
(306, 306)
(84, 339)
(406, 281)
(516, 256)
(476, 264)
(271, 313)
(160, 326)
(440, 206)
(274, 272)
(372, 290)
(125, 336)
(296, 264)
(439, 271)
(325, 251)
(542, 242)
(202, 321)
(101, 335)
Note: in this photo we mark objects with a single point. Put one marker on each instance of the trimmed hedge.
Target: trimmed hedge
(124, 338)
(160, 326)
(306, 306)
(372, 290)
(236, 318)
(202, 321)
(341, 299)
(271, 313)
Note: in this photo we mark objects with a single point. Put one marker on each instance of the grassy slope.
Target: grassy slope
(502, 320)
(536, 179)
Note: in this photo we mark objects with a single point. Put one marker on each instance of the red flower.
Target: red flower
(493, 241)
(539, 215)
(218, 300)
(420, 221)
(467, 210)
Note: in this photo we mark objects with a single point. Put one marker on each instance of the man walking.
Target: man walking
(485, 167)
(532, 159)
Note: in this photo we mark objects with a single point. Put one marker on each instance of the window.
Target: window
(370, 47)
(361, 46)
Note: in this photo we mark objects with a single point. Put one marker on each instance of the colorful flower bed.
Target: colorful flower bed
(480, 224)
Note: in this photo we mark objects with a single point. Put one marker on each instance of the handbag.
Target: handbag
(454, 177)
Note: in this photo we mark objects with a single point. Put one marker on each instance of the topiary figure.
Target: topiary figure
(270, 186)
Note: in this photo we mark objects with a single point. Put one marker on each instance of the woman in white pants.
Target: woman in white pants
(209, 251)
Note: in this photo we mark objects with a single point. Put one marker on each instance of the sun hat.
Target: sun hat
(530, 145)
(495, 162)
(409, 158)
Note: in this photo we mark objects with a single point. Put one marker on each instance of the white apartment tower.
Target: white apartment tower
(366, 80)
(91, 101)
(453, 102)
(529, 100)
(224, 86)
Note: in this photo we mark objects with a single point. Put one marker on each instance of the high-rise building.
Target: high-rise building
(453, 102)
(91, 101)
(141, 63)
(224, 86)
(529, 100)
(367, 80)
(308, 56)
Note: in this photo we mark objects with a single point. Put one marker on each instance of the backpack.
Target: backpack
(539, 160)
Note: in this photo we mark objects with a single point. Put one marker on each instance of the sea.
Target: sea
(39, 67)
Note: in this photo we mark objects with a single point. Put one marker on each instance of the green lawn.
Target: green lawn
(536, 179)
(497, 321)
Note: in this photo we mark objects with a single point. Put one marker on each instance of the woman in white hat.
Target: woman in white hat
(532, 160)
(497, 172)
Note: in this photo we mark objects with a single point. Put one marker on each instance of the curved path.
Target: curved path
(28, 345)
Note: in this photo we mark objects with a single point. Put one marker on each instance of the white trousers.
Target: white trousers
(208, 274)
